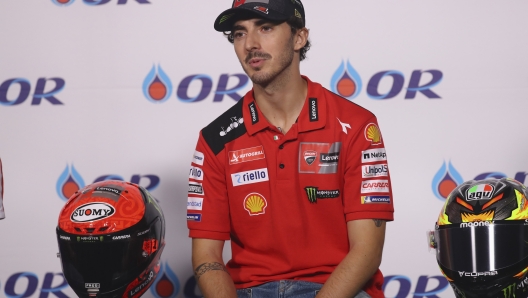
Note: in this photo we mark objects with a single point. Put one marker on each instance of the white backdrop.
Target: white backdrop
(102, 51)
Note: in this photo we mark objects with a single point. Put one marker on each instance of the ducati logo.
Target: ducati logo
(309, 156)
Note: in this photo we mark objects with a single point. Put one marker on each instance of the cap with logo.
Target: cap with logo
(110, 236)
(273, 10)
(481, 237)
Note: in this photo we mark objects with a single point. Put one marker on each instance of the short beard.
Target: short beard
(285, 60)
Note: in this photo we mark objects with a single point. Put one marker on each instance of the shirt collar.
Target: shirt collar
(312, 116)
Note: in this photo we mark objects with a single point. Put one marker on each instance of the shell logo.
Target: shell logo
(255, 204)
(373, 134)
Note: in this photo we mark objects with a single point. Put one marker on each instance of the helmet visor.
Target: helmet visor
(481, 247)
(102, 262)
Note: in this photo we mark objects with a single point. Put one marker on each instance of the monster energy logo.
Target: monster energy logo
(509, 291)
(314, 193)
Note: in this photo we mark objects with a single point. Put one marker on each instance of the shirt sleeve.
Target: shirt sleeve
(207, 202)
(367, 185)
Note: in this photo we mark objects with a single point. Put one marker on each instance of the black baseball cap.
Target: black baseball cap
(273, 10)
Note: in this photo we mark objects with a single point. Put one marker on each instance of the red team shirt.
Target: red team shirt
(284, 200)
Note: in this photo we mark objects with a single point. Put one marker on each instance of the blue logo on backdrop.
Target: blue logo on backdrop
(401, 285)
(96, 2)
(157, 87)
(18, 96)
(347, 82)
(25, 284)
(71, 181)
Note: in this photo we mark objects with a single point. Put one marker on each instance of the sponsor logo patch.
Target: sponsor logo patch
(195, 173)
(373, 155)
(375, 200)
(65, 238)
(234, 124)
(196, 188)
(313, 109)
(261, 9)
(92, 285)
(369, 186)
(255, 204)
(198, 158)
(309, 156)
(253, 112)
(371, 171)
(480, 192)
(319, 158)
(194, 203)
(314, 193)
(92, 212)
(245, 155)
(373, 134)
(194, 216)
(249, 177)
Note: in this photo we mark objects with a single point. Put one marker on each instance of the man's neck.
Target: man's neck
(282, 100)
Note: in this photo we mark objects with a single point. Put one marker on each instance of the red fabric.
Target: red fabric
(293, 237)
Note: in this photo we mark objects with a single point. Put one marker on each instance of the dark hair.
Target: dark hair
(295, 24)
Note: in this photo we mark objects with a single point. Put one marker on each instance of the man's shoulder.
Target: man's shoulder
(226, 128)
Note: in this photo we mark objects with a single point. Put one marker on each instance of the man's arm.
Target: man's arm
(209, 269)
(366, 238)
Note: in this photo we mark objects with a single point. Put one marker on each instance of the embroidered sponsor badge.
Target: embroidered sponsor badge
(373, 134)
(249, 177)
(196, 173)
(375, 200)
(319, 158)
(196, 188)
(253, 112)
(373, 155)
(194, 216)
(369, 186)
(198, 158)
(255, 204)
(261, 9)
(375, 170)
(313, 109)
(314, 193)
(244, 155)
(194, 203)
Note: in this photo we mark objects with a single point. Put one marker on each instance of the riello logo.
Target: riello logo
(448, 178)
(386, 84)
(157, 86)
(17, 90)
(96, 2)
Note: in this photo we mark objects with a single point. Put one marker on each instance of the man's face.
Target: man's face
(264, 49)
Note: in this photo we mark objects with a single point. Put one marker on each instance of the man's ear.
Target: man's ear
(301, 37)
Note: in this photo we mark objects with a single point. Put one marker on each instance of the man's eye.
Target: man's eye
(238, 34)
(266, 28)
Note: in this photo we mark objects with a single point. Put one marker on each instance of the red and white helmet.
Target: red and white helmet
(111, 235)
